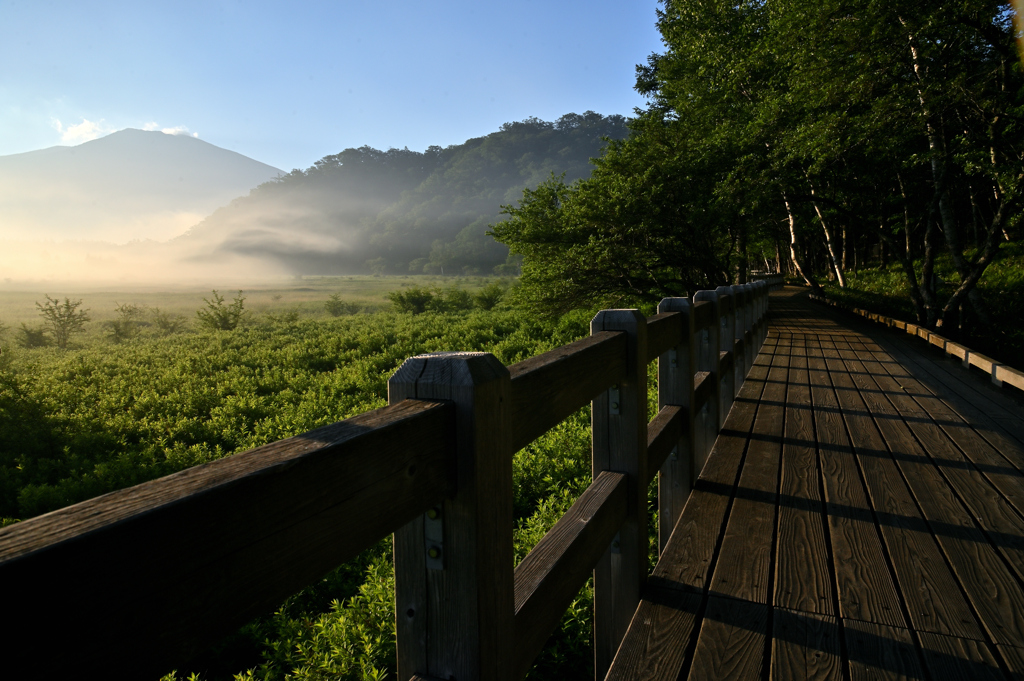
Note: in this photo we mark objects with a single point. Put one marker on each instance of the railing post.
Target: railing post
(739, 342)
(675, 387)
(750, 346)
(454, 565)
(726, 334)
(707, 360)
(619, 437)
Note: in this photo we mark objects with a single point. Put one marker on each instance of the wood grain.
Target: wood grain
(152, 574)
(934, 600)
(663, 435)
(880, 653)
(458, 621)
(866, 591)
(732, 641)
(552, 574)
(619, 443)
(664, 332)
(803, 579)
(959, 659)
(805, 646)
(548, 388)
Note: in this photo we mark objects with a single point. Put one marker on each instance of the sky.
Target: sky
(288, 83)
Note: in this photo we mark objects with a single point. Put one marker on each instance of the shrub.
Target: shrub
(65, 319)
(128, 323)
(32, 338)
(337, 307)
(166, 323)
(414, 300)
(489, 296)
(220, 317)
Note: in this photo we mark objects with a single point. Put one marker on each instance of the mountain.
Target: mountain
(401, 211)
(131, 184)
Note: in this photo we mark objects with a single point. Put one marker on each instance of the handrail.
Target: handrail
(152, 574)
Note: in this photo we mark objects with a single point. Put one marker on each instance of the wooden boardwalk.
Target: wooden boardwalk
(860, 517)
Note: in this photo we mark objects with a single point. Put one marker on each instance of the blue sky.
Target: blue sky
(287, 83)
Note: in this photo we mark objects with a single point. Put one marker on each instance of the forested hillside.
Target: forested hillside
(401, 211)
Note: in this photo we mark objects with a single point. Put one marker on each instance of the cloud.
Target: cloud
(82, 132)
(176, 130)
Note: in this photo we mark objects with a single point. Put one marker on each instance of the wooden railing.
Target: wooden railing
(138, 581)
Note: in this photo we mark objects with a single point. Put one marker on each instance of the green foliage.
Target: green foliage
(65, 319)
(489, 296)
(128, 324)
(217, 316)
(75, 425)
(167, 323)
(32, 338)
(337, 307)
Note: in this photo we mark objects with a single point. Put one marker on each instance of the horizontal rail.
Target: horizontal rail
(548, 388)
(703, 315)
(664, 332)
(149, 576)
(703, 388)
(552, 574)
(725, 360)
(662, 435)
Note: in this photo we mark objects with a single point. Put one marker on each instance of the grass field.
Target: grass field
(305, 297)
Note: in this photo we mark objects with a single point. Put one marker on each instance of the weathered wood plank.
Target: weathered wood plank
(663, 435)
(803, 579)
(659, 636)
(743, 566)
(879, 653)
(551, 575)
(992, 589)
(866, 591)
(656, 646)
(548, 388)
(805, 646)
(934, 601)
(959, 659)
(664, 332)
(152, 574)
(732, 640)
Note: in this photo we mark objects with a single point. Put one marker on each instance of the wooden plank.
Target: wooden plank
(552, 574)
(877, 652)
(619, 443)
(703, 389)
(732, 641)
(803, 578)
(992, 589)
(934, 601)
(663, 435)
(866, 591)
(455, 613)
(548, 388)
(744, 563)
(656, 644)
(1013, 658)
(805, 646)
(959, 659)
(664, 332)
(155, 573)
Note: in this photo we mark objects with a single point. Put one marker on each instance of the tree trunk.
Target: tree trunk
(793, 246)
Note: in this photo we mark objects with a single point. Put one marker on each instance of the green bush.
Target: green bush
(217, 316)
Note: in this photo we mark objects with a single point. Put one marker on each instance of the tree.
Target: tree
(220, 317)
(128, 323)
(820, 123)
(64, 319)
